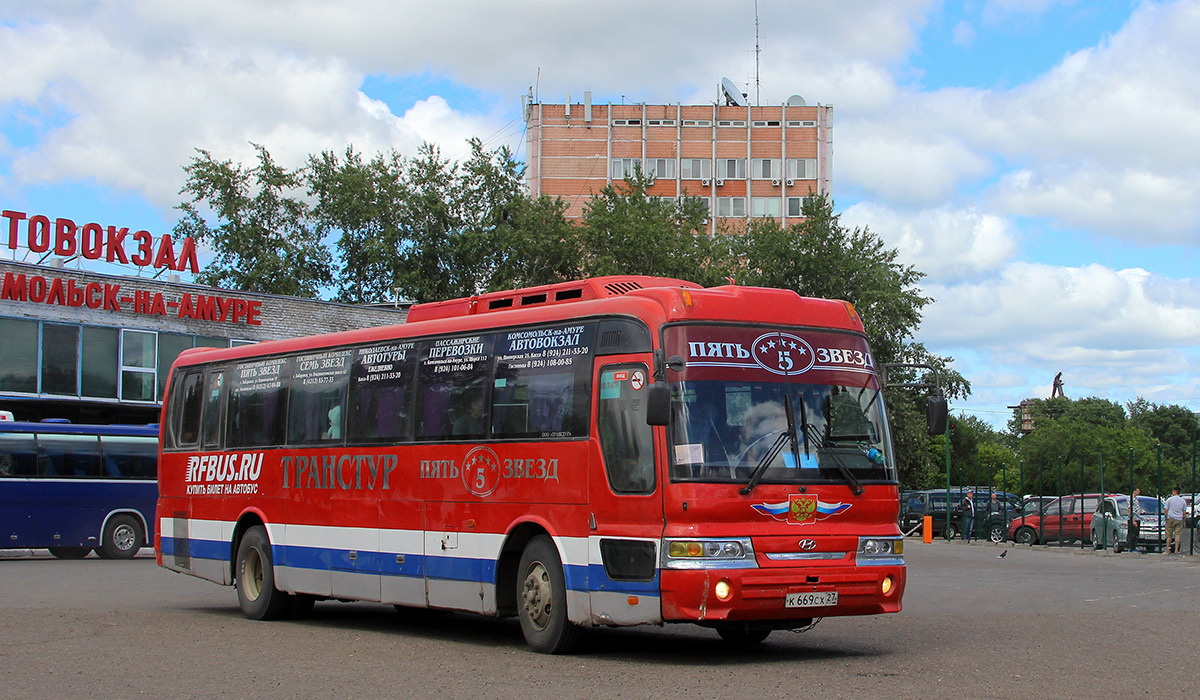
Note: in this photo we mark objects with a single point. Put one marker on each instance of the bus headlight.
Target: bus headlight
(880, 551)
(716, 553)
(723, 590)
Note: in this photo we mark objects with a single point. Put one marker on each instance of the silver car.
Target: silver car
(1110, 523)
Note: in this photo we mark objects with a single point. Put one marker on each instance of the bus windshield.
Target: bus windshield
(738, 386)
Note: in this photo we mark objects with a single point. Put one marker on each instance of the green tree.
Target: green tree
(360, 204)
(627, 232)
(263, 239)
(1175, 428)
(1079, 436)
(536, 245)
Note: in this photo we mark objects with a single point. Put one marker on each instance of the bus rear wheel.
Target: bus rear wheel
(255, 578)
(122, 538)
(542, 599)
(70, 552)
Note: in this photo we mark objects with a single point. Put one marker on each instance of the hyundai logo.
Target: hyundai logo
(808, 545)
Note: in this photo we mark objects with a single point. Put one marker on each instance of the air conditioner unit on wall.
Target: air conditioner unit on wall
(720, 182)
(790, 183)
(775, 183)
(704, 183)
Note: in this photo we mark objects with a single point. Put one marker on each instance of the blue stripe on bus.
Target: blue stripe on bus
(578, 577)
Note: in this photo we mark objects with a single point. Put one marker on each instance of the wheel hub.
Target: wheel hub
(124, 537)
(536, 595)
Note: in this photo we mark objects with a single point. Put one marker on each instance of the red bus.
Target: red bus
(613, 451)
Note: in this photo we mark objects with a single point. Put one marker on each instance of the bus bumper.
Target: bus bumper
(769, 594)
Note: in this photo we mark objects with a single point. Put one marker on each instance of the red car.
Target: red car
(1063, 519)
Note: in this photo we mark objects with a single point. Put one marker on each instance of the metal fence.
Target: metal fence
(1081, 488)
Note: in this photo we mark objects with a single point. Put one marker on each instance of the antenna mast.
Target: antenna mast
(757, 51)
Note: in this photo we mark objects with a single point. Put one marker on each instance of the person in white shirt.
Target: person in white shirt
(1175, 510)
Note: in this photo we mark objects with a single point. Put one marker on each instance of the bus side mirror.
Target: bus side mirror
(658, 404)
(936, 414)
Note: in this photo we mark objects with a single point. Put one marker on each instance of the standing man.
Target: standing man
(968, 516)
(1135, 519)
(1176, 507)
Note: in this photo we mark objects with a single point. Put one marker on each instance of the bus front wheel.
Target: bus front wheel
(255, 578)
(542, 599)
(122, 538)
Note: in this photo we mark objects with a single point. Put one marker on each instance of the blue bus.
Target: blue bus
(76, 488)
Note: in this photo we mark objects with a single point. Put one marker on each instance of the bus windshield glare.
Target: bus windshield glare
(732, 399)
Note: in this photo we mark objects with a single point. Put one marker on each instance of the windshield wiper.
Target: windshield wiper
(816, 436)
(761, 467)
(790, 434)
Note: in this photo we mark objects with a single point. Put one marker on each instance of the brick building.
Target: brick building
(743, 161)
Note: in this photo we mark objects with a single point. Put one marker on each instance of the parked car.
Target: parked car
(918, 504)
(1067, 518)
(1110, 524)
(1031, 504)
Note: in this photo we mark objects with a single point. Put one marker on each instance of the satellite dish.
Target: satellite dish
(795, 101)
(733, 96)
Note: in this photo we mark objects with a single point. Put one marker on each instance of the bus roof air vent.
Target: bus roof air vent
(623, 287)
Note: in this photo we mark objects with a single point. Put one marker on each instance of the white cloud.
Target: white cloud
(1078, 313)
(948, 245)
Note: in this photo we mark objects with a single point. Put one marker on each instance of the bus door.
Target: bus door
(625, 502)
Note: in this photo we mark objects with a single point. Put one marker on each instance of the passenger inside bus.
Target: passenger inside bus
(470, 422)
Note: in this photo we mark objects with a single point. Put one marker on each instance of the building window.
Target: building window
(802, 168)
(60, 359)
(765, 206)
(695, 169)
(625, 167)
(765, 168)
(772, 122)
(802, 123)
(731, 169)
(795, 206)
(100, 366)
(731, 122)
(661, 167)
(660, 122)
(707, 203)
(731, 206)
(627, 122)
(19, 348)
(138, 354)
(697, 122)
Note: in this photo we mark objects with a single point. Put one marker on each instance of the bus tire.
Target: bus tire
(122, 538)
(542, 599)
(70, 552)
(255, 578)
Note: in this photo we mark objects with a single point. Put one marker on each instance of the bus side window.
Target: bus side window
(452, 387)
(187, 431)
(625, 439)
(318, 393)
(379, 393)
(18, 454)
(541, 387)
(211, 427)
(257, 403)
(129, 457)
(68, 455)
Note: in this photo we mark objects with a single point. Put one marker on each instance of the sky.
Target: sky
(1037, 160)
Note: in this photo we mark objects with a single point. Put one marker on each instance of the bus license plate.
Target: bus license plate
(811, 600)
